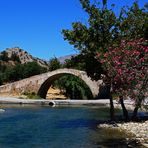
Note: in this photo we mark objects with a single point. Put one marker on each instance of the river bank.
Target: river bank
(18, 100)
(137, 131)
(54, 102)
(11, 100)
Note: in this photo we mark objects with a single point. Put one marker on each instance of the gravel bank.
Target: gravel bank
(138, 130)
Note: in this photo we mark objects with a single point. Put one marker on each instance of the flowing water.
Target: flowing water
(58, 127)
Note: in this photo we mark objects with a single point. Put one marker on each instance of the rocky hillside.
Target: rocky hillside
(12, 55)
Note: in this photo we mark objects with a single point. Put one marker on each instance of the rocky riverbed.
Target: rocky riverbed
(139, 130)
(136, 130)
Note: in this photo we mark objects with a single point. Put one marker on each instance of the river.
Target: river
(23, 126)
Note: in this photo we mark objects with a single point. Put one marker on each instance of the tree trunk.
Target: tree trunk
(112, 112)
(140, 98)
(108, 86)
(125, 112)
(134, 116)
(138, 104)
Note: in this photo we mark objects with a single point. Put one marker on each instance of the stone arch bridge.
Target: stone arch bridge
(41, 83)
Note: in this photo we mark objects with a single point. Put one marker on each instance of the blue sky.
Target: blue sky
(35, 25)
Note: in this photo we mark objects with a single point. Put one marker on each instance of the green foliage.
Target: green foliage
(31, 95)
(85, 62)
(4, 56)
(20, 71)
(54, 64)
(10, 74)
(73, 87)
(96, 36)
(2, 67)
(15, 58)
(32, 68)
(103, 30)
(132, 22)
(76, 62)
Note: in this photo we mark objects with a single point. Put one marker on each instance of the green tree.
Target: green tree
(13, 73)
(132, 22)
(128, 70)
(2, 67)
(54, 64)
(105, 30)
(21, 71)
(32, 68)
(97, 35)
(74, 87)
(87, 63)
(9, 74)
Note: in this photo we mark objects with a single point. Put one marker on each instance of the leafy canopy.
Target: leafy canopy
(104, 29)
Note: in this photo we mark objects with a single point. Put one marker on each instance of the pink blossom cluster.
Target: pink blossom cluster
(127, 67)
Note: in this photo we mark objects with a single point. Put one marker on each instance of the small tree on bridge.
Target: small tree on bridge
(54, 64)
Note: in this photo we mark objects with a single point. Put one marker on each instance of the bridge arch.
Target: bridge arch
(40, 84)
(54, 75)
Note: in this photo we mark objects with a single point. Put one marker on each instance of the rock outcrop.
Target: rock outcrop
(23, 56)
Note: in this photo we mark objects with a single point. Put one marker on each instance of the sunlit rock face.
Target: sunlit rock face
(24, 57)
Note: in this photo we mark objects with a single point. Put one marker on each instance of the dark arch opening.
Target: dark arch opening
(47, 84)
(51, 104)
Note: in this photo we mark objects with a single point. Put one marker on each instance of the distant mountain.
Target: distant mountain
(13, 55)
(62, 59)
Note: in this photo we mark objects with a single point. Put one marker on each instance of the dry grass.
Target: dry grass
(54, 93)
